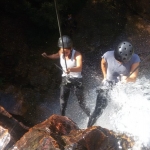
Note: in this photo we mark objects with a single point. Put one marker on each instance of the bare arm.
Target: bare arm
(104, 67)
(78, 68)
(53, 56)
(134, 75)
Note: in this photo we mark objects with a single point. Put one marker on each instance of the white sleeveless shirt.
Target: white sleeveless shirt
(70, 64)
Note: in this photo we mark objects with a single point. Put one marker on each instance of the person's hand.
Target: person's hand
(44, 55)
(123, 79)
(104, 81)
(68, 71)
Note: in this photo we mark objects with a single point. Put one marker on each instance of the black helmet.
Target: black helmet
(67, 42)
(124, 51)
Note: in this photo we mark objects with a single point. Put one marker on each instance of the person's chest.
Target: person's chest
(115, 67)
(70, 62)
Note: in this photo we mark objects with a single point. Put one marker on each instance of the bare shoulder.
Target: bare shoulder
(59, 52)
(78, 54)
(103, 60)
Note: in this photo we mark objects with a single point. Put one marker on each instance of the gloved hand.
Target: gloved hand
(105, 82)
(122, 78)
(68, 71)
(44, 55)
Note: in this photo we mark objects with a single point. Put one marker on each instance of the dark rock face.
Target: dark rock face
(140, 7)
(61, 133)
(13, 102)
(92, 138)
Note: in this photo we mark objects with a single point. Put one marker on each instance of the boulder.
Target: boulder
(60, 132)
(15, 129)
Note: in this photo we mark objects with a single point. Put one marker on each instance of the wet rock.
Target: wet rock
(92, 138)
(60, 132)
(46, 134)
(15, 129)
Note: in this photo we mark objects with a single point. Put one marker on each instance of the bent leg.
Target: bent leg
(101, 103)
(64, 95)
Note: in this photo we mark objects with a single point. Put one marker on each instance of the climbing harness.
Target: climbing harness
(63, 71)
(70, 78)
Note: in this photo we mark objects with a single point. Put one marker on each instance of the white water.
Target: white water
(4, 138)
(128, 111)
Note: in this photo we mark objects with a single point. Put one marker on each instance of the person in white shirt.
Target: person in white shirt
(71, 63)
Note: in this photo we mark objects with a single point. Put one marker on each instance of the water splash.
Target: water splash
(128, 111)
(4, 137)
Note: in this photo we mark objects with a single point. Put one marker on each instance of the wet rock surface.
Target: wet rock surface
(14, 128)
(59, 132)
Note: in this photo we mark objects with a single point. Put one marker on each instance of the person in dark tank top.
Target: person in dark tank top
(120, 65)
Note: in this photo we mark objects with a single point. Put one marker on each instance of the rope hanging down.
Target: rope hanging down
(58, 20)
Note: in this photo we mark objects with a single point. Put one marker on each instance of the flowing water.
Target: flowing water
(128, 109)
(4, 137)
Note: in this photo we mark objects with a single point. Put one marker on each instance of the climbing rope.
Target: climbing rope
(58, 20)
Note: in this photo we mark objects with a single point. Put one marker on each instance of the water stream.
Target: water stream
(128, 110)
